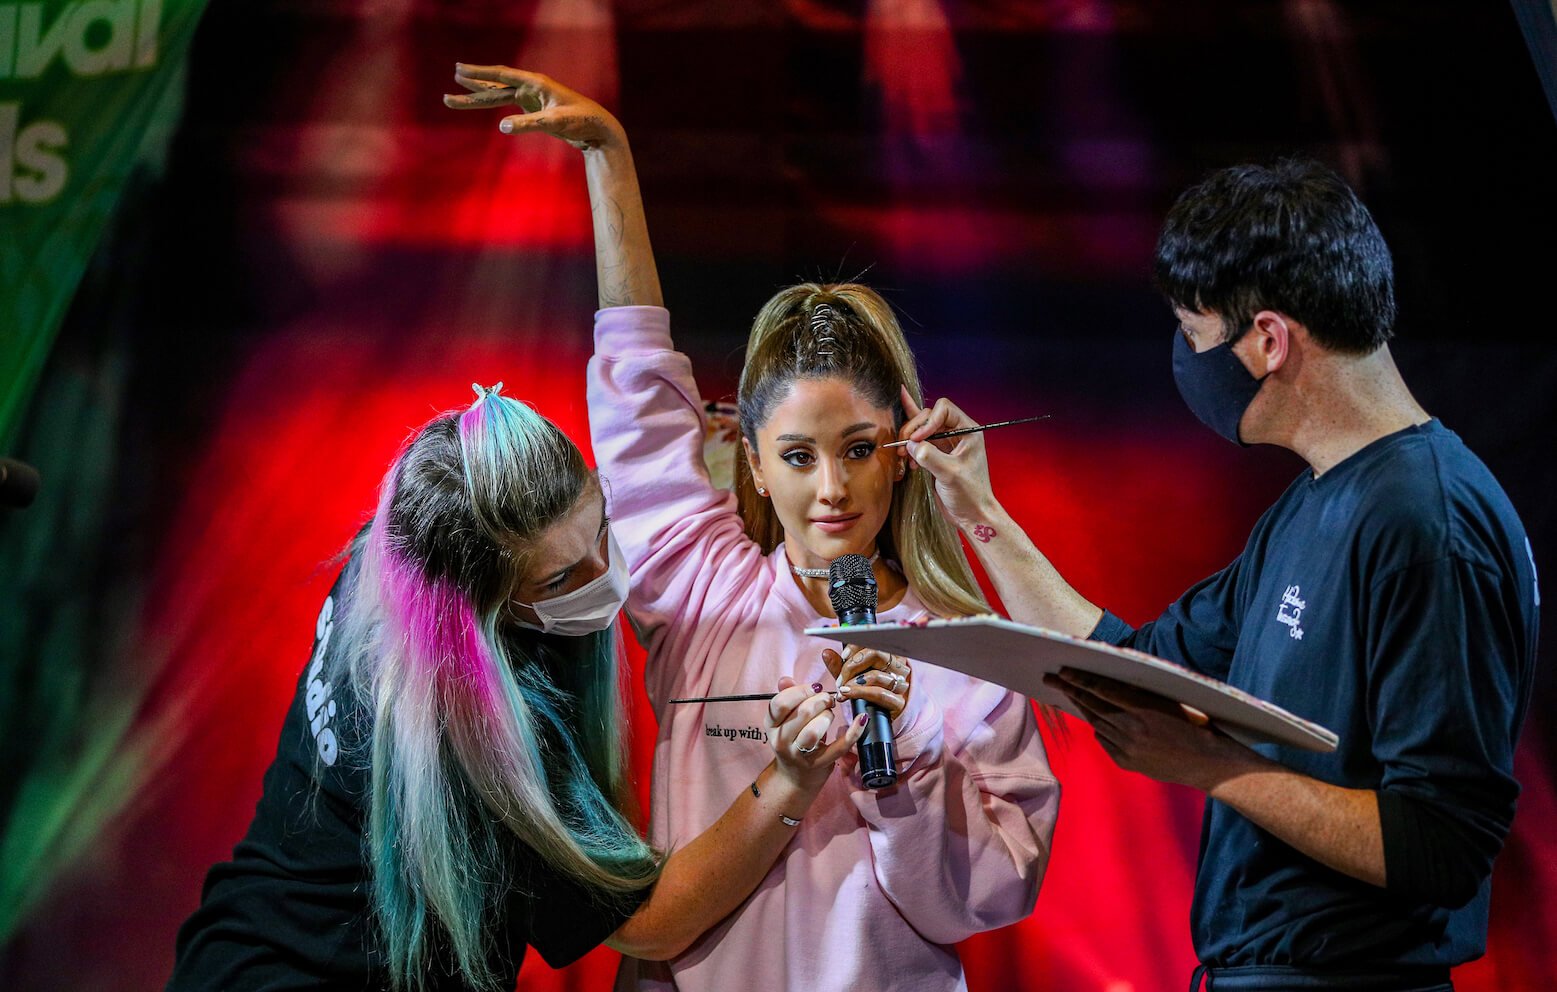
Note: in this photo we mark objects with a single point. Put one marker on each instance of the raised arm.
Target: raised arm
(624, 261)
(1032, 589)
(646, 418)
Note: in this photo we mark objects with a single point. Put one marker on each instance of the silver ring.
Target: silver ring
(808, 750)
(897, 683)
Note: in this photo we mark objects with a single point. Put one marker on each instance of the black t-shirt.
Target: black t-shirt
(291, 910)
(1393, 599)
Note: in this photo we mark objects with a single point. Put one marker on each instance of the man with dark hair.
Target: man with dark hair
(1390, 594)
(1292, 237)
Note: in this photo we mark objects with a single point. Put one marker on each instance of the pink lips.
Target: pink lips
(835, 525)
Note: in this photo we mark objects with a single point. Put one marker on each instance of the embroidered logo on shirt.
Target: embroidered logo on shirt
(1290, 612)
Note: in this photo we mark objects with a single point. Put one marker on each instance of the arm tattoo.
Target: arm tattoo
(616, 276)
(614, 223)
(984, 532)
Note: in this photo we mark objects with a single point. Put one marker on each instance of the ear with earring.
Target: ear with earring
(761, 491)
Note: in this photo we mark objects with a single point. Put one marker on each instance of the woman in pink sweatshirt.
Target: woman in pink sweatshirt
(876, 886)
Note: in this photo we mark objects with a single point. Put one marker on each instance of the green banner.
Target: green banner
(89, 91)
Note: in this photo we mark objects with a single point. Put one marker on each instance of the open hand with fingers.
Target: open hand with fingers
(799, 717)
(1146, 733)
(548, 106)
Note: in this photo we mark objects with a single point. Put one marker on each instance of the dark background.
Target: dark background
(330, 256)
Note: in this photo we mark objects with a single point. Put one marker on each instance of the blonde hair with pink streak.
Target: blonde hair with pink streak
(483, 736)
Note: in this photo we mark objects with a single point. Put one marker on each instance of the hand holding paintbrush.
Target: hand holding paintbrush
(976, 429)
(952, 451)
(860, 673)
(944, 419)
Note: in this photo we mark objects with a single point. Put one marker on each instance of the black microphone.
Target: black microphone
(851, 585)
(18, 483)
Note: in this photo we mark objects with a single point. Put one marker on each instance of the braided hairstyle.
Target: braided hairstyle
(847, 331)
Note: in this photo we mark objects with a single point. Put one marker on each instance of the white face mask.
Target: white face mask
(591, 607)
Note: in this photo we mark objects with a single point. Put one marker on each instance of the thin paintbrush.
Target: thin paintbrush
(749, 697)
(971, 430)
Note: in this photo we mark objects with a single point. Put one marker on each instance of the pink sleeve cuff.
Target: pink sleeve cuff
(629, 330)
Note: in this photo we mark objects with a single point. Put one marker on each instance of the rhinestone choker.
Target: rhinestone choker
(821, 573)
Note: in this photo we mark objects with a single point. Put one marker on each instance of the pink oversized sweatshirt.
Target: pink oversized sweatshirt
(876, 887)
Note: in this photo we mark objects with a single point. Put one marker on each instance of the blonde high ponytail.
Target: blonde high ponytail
(847, 331)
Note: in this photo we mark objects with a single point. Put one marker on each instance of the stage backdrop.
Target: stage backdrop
(330, 257)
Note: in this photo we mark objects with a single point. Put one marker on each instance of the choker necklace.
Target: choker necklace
(821, 573)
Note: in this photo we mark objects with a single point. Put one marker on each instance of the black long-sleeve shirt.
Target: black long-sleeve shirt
(1394, 600)
(291, 909)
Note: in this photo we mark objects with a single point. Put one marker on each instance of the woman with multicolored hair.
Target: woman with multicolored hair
(449, 784)
(876, 886)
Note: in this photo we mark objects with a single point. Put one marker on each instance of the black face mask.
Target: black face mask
(1214, 384)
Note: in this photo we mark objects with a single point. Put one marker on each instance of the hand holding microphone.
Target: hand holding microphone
(865, 676)
(883, 680)
(797, 721)
(851, 586)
